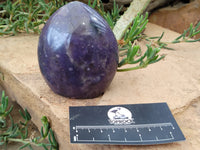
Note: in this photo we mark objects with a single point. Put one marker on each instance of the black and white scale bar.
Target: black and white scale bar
(122, 141)
(153, 124)
(126, 126)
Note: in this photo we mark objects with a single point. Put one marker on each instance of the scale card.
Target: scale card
(138, 124)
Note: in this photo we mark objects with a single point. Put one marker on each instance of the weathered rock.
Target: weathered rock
(178, 17)
(157, 4)
(175, 80)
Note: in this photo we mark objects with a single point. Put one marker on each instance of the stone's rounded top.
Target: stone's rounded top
(78, 52)
(76, 16)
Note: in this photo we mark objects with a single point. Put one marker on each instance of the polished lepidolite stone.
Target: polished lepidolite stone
(77, 52)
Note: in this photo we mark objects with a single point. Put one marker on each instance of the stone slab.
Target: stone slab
(177, 17)
(175, 80)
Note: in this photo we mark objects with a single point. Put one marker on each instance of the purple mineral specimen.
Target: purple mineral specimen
(77, 52)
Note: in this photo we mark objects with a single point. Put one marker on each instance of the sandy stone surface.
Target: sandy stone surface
(177, 17)
(175, 80)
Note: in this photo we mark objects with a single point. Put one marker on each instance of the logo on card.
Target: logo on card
(119, 116)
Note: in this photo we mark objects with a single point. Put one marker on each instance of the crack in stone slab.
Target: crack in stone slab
(181, 110)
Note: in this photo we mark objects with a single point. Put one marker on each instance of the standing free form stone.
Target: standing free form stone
(77, 52)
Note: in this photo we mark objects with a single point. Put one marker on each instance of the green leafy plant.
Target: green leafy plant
(149, 57)
(25, 15)
(110, 16)
(130, 52)
(4, 110)
(134, 32)
(18, 132)
(186, 36)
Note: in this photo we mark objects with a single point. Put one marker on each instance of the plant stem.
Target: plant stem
(133, 68)
(136, 7)
(2, 11)
(25, 141)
